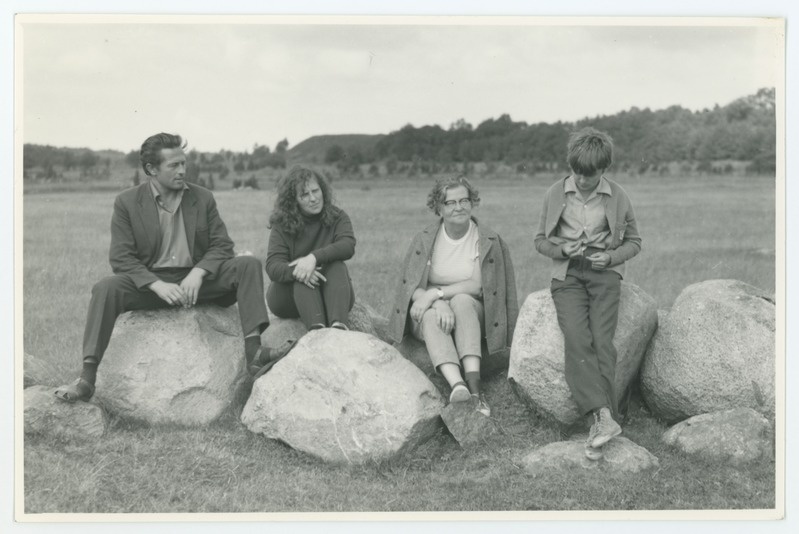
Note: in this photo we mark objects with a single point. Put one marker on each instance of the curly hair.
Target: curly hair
(589, 151)
(286, 212)
(151, 149)
(438, 195)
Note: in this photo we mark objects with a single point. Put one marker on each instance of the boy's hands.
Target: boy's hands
(570, 250)
(599, 260)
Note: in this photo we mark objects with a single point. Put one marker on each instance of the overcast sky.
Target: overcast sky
(231, 85)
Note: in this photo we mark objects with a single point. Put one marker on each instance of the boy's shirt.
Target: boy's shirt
(582, 219)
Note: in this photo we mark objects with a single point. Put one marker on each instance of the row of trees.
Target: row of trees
(744, 130)
(645, 141)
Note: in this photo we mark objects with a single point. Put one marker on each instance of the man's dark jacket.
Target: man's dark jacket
(136, 233)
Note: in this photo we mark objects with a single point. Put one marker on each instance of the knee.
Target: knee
(462, 302)
(247, 263)
(109, 284)
(429, 318)
(336, 269)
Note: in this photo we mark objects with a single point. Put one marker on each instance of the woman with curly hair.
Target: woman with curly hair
(457, 288)
(309, 242)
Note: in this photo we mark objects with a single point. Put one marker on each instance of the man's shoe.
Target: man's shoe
(482, 404)
(79, 390)
(265, 358)
(460, 393)
(607, 428)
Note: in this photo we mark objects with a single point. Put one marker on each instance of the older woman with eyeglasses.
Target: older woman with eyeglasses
(457, 288)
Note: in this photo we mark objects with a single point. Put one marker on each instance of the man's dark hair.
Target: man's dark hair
(151, 149)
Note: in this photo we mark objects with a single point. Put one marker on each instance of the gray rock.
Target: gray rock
(619, 455)
(173, 366)
(38, 371)
(469, 427)
(737, 436)
(344, 397)
(416, 352)
(714, 351)
(537, 359)
(46, 415)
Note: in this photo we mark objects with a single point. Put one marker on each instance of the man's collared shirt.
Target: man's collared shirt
(174, 250)
(584, 219)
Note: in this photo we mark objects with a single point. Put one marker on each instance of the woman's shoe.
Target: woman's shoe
(460, 393)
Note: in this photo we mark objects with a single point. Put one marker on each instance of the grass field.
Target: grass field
(693, 230)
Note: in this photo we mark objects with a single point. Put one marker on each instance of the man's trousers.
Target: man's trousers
(238, 279)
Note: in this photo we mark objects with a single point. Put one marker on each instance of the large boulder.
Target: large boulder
(714, 351)
(173, 366)
(46, 415)
(619, 455)
(736, 436)
(537, 363)
(344, 397)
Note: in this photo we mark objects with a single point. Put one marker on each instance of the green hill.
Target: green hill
(314, 150)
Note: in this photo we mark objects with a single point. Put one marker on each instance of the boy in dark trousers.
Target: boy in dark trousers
(588, 228)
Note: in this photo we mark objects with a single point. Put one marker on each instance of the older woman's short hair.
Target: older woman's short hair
(589, 151)
(439, 193)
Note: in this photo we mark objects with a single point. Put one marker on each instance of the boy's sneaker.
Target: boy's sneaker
(606, 428)
(591, 452)
(481, 404)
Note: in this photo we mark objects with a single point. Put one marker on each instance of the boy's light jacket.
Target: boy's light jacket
(498, 280)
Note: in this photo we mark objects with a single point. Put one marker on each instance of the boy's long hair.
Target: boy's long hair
(589, 151)
(286, 213)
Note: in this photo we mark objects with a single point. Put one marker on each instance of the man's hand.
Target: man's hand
(172, 294)
(191, 286)
(445, 317)
(599, 260)
(304, 269)
(571, 249)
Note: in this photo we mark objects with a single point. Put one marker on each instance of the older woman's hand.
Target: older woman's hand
(304, 268)
(445, 317)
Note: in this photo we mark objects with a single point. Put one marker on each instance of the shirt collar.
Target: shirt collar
(156, 194)
(602, 188)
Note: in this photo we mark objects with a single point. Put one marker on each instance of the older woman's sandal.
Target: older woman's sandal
(79, 390)
(459, 393)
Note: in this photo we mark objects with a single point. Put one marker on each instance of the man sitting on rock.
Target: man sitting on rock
(588, 228)
(169, 247)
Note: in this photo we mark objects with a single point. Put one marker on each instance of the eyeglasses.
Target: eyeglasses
(463, 203)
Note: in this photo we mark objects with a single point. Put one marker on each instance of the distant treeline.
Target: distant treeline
(744, 130)
(740, 135)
